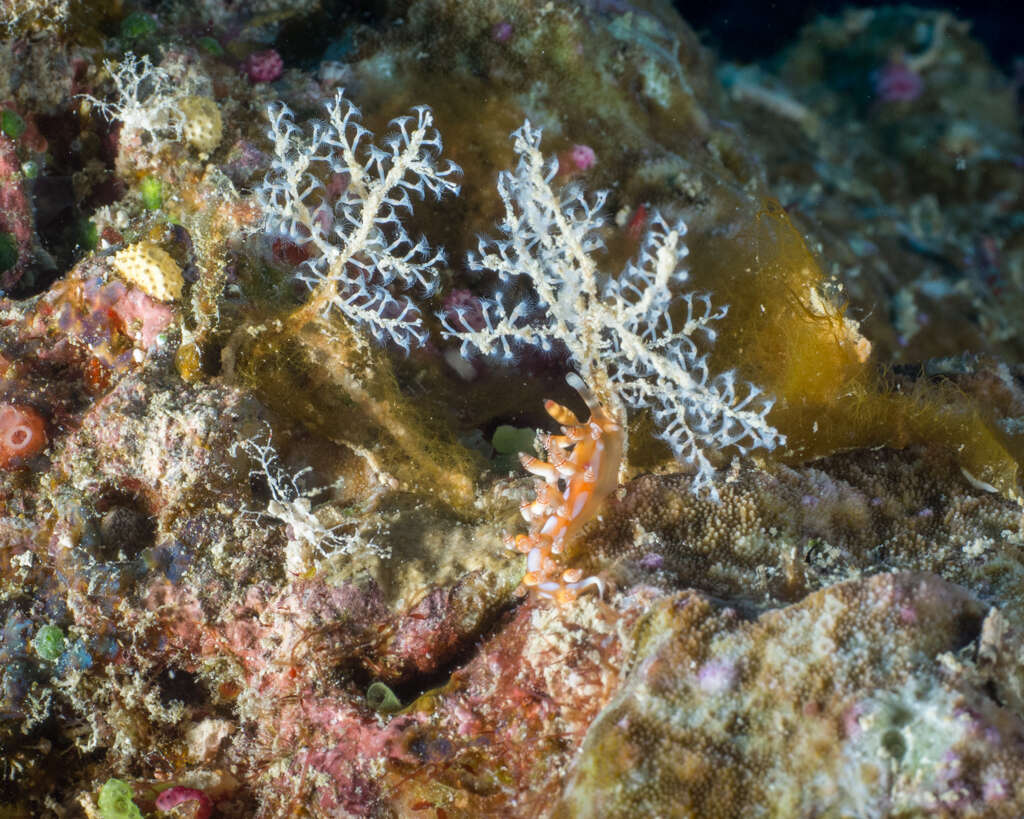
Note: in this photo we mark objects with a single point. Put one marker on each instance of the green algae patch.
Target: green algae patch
(8, 252)
(151, 190)
(382, 699)
(11, 124)
(115, 801)
(49, 642)
(137, 25)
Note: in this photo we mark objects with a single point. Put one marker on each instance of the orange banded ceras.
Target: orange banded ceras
(581, 471)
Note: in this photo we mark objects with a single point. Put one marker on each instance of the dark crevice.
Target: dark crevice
(408, 690)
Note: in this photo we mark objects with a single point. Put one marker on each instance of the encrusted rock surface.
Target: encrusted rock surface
(258, 566)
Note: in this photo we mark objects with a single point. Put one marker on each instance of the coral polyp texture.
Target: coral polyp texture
(684, 482)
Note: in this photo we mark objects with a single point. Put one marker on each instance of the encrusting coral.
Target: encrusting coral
(828, 723)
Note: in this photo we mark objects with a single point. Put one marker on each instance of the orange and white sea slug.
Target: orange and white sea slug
(581, 471)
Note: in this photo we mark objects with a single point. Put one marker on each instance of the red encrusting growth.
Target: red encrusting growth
(22, 434)
(581, 471)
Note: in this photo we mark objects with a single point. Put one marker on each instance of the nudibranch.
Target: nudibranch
(581, 471)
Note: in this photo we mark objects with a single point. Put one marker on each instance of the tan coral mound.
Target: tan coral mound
(862, 700)
(778, 535)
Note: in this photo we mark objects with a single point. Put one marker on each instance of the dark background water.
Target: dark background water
(744, 31)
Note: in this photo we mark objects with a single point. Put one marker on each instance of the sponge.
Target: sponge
(151, 269)
(202, 126)
(22, 434)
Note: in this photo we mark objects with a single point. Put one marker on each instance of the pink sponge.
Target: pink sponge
(22, 434)
(263, 66)
(172, 797)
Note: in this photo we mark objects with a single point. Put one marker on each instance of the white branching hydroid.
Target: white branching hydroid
(342, 198)
(618, 331)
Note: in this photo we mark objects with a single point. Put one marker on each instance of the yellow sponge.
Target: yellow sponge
(203, 126)
(151, 269)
